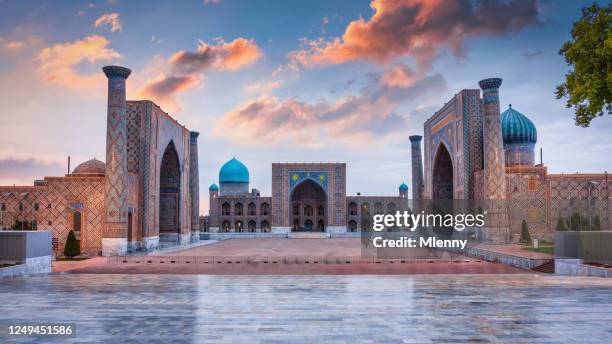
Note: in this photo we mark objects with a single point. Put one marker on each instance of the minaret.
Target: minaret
(496, 219)
(194, 186)
(114, 240)
(417, 170)
(213, 218)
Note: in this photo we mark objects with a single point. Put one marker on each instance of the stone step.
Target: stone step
(308, 235)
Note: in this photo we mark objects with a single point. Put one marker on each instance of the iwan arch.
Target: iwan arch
(144, 197)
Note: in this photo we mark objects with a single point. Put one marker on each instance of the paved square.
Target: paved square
(313, 309)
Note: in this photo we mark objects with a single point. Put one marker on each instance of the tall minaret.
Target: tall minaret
(194, 186)
(496, 219)
(114, 240)
(417, 171)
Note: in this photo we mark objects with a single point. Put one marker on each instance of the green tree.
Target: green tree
(23, 225)
(588, 85)
(596, 225)
(576, 222)
(561, 224)
(72, 248)
(525, 236)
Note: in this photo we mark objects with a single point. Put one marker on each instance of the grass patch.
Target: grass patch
(541, 249)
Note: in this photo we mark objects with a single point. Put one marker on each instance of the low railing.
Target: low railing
(202, 260)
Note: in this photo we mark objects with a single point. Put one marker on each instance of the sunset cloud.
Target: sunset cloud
(263, 87)
(58, 63)
(186, 69)
(417, 28)
(110, 21)
(356, 119)
(399, 75)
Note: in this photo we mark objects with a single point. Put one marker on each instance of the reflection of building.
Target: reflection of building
(305, 197)
(471, 151)
(144, 195)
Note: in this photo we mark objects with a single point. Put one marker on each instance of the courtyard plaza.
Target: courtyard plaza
(522, 308)
(280, 256)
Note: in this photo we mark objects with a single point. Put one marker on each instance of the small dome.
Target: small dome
(517, 128)
(403, 187)
(234, 171)
(89, 168)
(213, 187)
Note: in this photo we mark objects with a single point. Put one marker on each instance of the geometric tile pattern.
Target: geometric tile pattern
(56, 202)
(333, 178)
(116, 159)
(493, 155)
(194, 184)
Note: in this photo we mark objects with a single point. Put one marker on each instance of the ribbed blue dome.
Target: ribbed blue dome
(234, 172)
(403, 187)
(213, 187)
(517, 128)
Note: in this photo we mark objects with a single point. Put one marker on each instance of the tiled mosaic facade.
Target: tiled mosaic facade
(331, 210)
(467, 127)
(53, 203)
(121, 203)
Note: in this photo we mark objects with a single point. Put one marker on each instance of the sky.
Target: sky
(283, 81)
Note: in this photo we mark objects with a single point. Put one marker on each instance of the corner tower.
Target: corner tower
(194, 185)
(496, 219)
(417, 170)
(114, 241)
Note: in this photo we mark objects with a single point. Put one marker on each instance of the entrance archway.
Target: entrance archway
(169, 195)
(443, 175)
(129, 227)
(443, 190)
(305, 197)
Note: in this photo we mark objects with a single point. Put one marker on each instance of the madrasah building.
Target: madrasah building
(146, 194)
(471, 152)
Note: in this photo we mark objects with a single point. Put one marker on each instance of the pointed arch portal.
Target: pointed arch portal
(305, 197)
(169, 195)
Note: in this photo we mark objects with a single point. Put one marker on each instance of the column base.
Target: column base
(335, 229)
(150, 243)
(281, 230)
(494, 235)
(195, 236)
(185, 239)
(114, 246)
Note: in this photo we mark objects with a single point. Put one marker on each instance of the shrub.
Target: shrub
(23, 225)
(575, 222)
(561, 224)
(525, 236)
(72, 248)
(596, 225)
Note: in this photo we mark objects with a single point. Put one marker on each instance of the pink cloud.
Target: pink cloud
(418, 28)
(356, 119)
(187, 68)
(110, 20)
(58, 62)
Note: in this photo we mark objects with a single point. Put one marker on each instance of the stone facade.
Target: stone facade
(465, 158)
(305, 197)
(142, 195)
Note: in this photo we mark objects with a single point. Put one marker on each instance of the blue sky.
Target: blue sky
(282, 81)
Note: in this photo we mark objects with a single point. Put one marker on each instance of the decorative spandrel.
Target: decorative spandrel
(319, 177)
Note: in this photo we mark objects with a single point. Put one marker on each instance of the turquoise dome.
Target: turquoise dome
(403, 187)
(213, 187)
(233, 171)
(517, 128)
